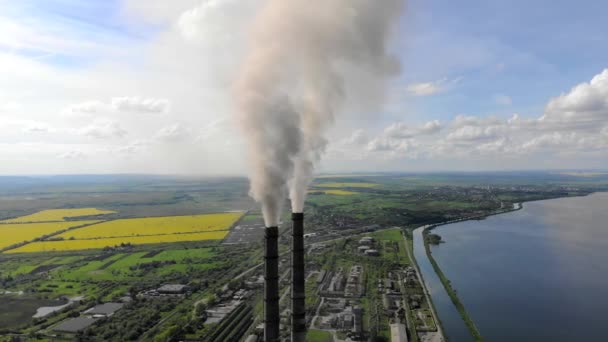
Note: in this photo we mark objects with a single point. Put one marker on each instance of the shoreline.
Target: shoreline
(451, 292)
(427, 294)
(475, 333)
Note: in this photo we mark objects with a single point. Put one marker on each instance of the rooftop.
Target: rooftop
(106, 309)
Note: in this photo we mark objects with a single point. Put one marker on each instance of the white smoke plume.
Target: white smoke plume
(295, 79)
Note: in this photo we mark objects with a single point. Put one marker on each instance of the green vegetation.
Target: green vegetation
(341, 209)
(432, 239)
(318, 336)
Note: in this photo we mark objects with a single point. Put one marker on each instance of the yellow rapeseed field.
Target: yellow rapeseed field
(155, 226)
(11, 234)
(65, 245)
(57, 215)
(345, 185)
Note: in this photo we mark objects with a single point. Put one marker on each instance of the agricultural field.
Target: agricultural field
(101, 234)
(53, 215)
(345, 185)
(99, 243)
(11, 234)
(339, 192)
(156, 226)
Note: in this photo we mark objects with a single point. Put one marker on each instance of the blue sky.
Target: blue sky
(527, 50)
(117, 85)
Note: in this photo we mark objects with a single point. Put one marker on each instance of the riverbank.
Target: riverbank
(446, 282)
(409, 247)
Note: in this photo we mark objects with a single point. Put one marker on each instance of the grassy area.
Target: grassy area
(339, 192)
(389, 235)
(345, 185)
(452, 293)
(318, 336)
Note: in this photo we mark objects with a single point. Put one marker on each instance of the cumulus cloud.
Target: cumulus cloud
(359, 137)
(475, 133)
(140, 105)
(401, 130)
(103, 129)
(72, 155)
(573, 123)
(173, 133)
(133, 147)
(431, 88)
(425, 89)
(36, 127)
(401, 138)
(207, 21)
(84, 109)
(586, 102)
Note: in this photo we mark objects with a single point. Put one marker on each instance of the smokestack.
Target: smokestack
(298, 297)
(271, 285)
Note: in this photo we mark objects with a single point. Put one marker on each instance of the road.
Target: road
(430, 336)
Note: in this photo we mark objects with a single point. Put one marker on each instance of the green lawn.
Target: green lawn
(319, 336)
(389, 235)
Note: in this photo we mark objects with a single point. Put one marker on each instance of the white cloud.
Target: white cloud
(430, 127)
(140, 105)
(475, 133)
(432, 88)
(572, 126)
(103, 129)
(401, 130)
(585, 103)
(425, 89)
(72, 155)
(37, 127)
(173, 133)
(359, 137)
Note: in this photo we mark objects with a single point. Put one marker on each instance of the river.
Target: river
(537, 274)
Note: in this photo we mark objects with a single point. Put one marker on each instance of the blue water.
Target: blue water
(537, 274)
(453, 326)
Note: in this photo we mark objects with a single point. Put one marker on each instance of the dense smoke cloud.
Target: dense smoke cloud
(295, 79)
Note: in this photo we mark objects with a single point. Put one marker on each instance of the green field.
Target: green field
(318, 336)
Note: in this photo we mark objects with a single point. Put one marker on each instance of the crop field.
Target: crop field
(345, 185)
(157, 226)
(11, 234)
(130, 266)
(68, 245)
(340, 192)
(53, 215)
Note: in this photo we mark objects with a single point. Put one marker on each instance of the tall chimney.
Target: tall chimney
(271, 285)
(298, 297)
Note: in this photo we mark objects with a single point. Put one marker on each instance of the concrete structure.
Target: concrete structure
(362, 249)
(252, 338)
(271, 285)
(104, 310)
(75, 325)
(321, 276)
(173, 289)
(372, 252)
(366, 241)
(358, 324)
(398, 333)
(298, 306)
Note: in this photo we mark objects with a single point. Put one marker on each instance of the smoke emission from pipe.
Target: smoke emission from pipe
(295, 79)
